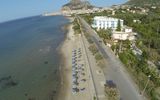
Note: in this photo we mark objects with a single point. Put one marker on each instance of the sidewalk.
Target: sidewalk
(97, 72)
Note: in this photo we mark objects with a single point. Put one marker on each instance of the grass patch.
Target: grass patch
(98, 56)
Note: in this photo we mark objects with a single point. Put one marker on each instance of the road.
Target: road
(114, 69)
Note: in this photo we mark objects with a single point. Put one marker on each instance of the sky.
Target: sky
(14, 9)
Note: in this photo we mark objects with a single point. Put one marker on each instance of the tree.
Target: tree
(119, 26)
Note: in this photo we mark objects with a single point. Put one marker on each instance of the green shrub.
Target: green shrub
(93, 49)
(98, 57)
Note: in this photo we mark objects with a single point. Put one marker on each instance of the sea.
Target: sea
(30, 58)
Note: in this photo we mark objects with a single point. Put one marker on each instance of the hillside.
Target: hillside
(77, 4)
(143, 2)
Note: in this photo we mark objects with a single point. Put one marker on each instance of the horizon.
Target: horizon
(24, 9)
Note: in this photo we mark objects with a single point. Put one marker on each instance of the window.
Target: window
(107, 24)
(112, 24)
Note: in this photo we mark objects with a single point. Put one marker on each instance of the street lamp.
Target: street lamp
(146, 85)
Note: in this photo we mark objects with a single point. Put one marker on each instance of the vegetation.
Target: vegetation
(94, 98)
(93, 49)
(104, 34)
(89, 17)
(140, 71)
(77, 4)
(148, 28)
(89, 40)
(95, 52)
(148, 39)
(119, 26)
(112, 93)
(98, 57)
(76, 26)
(143, 2)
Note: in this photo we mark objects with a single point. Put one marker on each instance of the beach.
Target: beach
(85, 83)
(65, 68)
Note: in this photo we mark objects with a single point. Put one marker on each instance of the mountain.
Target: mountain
(143, 2)
(77, 4)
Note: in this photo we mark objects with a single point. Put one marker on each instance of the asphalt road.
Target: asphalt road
(114, 69)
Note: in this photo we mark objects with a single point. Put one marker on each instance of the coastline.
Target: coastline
(40, 52)
(65, 66)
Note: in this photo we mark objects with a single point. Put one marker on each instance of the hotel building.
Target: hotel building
(103, 22)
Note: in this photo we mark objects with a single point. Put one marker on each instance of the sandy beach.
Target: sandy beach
(86, 90)
(65, 68)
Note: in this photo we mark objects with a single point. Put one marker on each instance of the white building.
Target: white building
(127, 29)
(119, 36)
(103, 22)
(124, 36)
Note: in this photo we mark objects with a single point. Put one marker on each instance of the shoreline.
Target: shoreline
(64, 73)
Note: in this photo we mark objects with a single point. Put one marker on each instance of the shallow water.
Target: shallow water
(29, 58)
